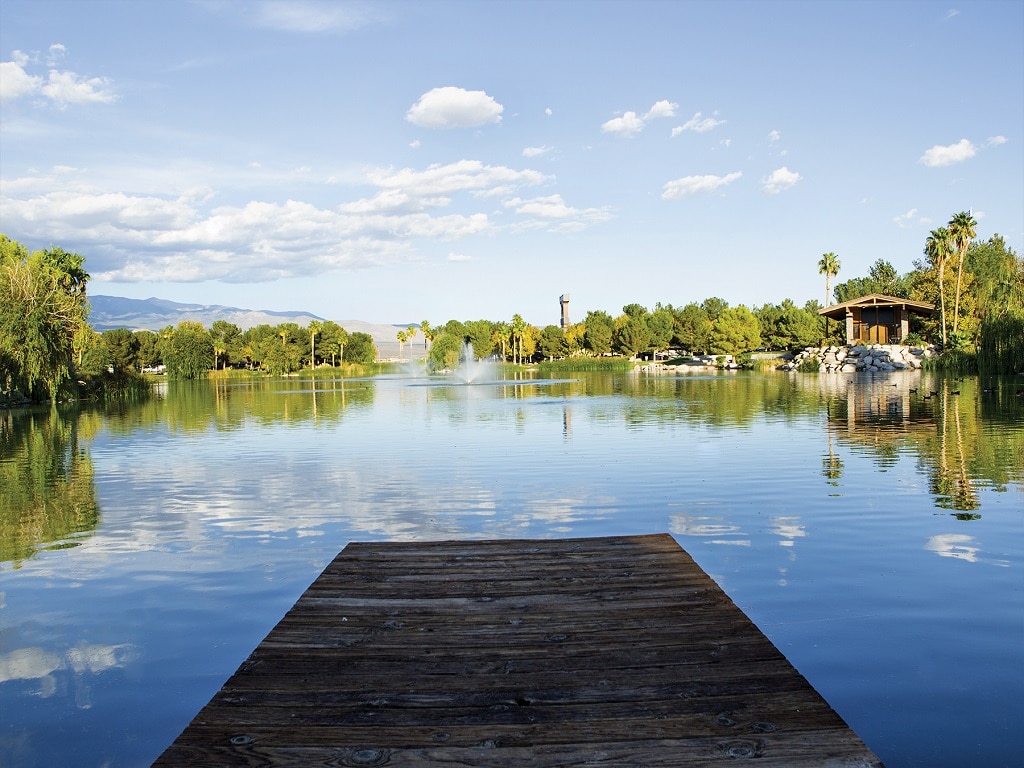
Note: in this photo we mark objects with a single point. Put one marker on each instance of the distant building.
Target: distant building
(563, 300)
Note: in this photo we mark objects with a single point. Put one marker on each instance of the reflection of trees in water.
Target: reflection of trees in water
(948, 424)
(49, 494)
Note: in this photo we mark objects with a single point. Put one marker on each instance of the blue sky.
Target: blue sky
(403, 161)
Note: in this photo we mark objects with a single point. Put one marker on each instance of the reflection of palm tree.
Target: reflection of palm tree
(832, 465)
(964, 496)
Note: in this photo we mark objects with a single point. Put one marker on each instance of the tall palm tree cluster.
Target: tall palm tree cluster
(942, 245)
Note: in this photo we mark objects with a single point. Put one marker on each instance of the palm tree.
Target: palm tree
(402, 336)
(518, 330)
(829, 267)
(428, 334)
(315, 326)
(938, 247)
(962, 229)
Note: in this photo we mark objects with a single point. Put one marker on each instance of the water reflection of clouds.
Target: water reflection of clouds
(788, 529)
(35, 663)
(961, 547)
(715, 528)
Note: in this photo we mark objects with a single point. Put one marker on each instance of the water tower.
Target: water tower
(563, 300)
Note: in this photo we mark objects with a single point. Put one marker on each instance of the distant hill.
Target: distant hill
(154, 314)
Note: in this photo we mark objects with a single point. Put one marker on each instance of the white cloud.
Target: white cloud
(311, 16)
(906, 219)
(774, 136)
(780, 179)
(627, 125)
(939, 156)
(62, 87)
(15, 82)
(415, 144)
(451, 107)
(456, 257)
(692, 185)
(995, 141)
(554, 210)
(535, 151)
(630, 123)
(548, 112)
(697, 123)
(186, 236)
(661, 108)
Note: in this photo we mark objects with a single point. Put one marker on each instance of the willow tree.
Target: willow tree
(962, 230)
(43, 307)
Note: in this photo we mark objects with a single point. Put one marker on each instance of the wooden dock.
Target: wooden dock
(614, 651)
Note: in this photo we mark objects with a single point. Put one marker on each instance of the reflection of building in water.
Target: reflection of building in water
(567, 422)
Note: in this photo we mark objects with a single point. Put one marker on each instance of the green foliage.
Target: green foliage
(188, 353)
(1002, 343)
(598, 336)
(736, 330)
(955, 362)
(588, 365)
(809, 365)
(787, 326)
(445, 351)
(360, 348)
(553, 343)
(631, 335)
(43, 310)
(693, 329)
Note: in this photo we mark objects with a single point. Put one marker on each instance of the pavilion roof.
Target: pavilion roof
(838, 311)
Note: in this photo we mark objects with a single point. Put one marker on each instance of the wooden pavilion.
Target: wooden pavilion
(876, 318)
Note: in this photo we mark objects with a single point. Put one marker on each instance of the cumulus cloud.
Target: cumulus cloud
(187, 236)
(939, 156)
(61, 87)
(451, 107)
(780, 179)
(692, 185)
(630, 123)
(697, 123)
(553, 209)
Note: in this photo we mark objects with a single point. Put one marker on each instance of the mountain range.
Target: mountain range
(153, 314)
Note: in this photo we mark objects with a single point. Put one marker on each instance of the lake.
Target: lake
(873, 530)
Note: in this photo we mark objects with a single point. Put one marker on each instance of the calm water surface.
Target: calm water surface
(875, 534)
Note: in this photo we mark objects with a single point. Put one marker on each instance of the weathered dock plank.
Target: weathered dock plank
(615, 651)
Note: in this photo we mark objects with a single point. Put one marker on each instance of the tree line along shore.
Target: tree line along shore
(48, 350)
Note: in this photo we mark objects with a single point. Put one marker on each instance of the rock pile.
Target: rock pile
(876, 357)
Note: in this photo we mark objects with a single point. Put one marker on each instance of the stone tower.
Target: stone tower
(563, 300)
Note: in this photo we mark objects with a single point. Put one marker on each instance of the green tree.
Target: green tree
(43, 308)
(402, 337)
(552, 342)
(121, 349)
(962, 230)
(148, 351)
(714, 307)
(332, 340)
(227, 342)
(661, 324)
(828, 266)
(360, 349)
(631, 335)
(938, 248)
(692, 328)
(189, 351)
(598, 334)
(518, 332)
(445, 350)
(479, 334)
(998, 276)
(735, 331)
